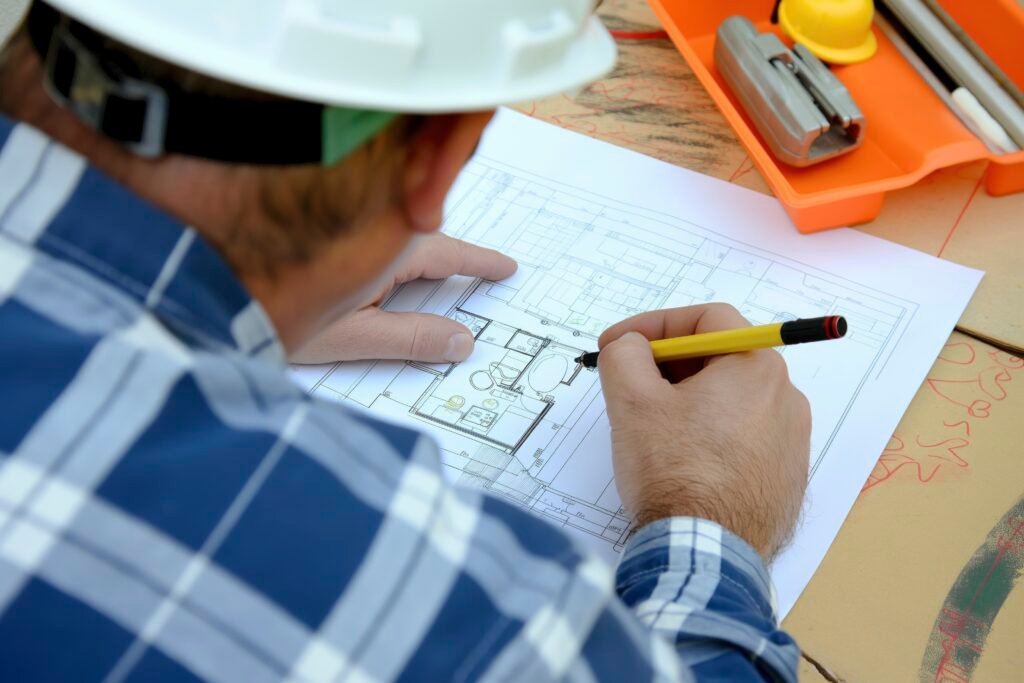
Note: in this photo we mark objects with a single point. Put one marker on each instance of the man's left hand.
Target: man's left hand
(372, 332)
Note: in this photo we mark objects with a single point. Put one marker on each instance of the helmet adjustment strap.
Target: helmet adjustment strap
(153, 119)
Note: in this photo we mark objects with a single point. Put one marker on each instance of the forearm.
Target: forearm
(707, 592)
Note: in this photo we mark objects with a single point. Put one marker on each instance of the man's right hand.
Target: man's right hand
(725, 438)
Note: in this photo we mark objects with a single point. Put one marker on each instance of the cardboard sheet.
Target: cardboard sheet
(924, 580)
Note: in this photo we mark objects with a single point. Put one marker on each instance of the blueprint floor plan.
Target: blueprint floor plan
(521, 418)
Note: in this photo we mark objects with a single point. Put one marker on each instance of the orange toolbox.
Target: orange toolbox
(909, 131)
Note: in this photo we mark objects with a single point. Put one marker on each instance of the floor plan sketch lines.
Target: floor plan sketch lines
(601, 234)
(587, 265)
(502, 397)
(521, 418)
(507, 418)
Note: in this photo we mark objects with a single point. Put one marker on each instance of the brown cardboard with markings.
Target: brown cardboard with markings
(924, 581)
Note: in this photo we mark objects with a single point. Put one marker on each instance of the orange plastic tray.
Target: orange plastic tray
(910, 132)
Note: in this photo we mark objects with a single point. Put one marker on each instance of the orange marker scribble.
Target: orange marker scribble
(965, 387)
(961, 353)
(745, 167)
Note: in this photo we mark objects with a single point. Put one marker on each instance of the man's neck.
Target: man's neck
(199, 193)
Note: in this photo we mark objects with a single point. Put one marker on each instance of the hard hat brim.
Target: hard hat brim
(591, 56)
(825, 53)
(852, 55)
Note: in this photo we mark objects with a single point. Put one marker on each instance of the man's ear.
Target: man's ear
(437, 152)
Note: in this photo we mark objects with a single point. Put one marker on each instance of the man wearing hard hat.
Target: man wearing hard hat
(192, 192)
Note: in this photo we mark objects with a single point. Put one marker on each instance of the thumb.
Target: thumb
(373, 333)
(627, 368)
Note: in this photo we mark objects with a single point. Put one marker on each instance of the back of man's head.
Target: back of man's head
(251, 158)
(272, 215)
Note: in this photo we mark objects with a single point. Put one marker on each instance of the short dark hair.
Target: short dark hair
(7, 47)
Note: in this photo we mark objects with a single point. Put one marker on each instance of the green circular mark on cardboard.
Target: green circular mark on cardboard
(963, 624)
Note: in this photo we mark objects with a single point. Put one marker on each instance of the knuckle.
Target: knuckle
(635, 403)
(606, 360)
(613, 353)
(727, 314)
(803, 407)
(419, 340)
(723, 309)
(773, 365)
(722, 316)
(440, 251)
(459, 249)
(802, 401)
(616, 332)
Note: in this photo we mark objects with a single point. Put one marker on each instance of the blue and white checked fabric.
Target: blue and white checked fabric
(172, 508)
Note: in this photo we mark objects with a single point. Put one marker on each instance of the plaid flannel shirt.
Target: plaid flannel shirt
(173, 508)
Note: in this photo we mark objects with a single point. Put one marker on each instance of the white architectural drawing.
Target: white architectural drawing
(514, 419)
(602, 233)
(521, 418)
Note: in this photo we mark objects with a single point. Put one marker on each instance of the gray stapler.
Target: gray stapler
(804, 113)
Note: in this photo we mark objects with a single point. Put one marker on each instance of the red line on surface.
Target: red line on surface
(639, 35)
(736, 173)
(960, 216)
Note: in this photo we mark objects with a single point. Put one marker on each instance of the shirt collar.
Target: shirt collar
(52, 200)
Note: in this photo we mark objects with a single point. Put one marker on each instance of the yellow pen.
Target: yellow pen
(797, 331)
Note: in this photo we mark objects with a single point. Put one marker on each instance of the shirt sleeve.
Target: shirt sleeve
(707, 592)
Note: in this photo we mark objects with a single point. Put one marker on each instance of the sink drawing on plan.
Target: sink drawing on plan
(505, 389)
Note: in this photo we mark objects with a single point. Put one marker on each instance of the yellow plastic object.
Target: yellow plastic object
(718, 343)
(836, 31)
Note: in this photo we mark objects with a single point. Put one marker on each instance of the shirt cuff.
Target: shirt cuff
(681, 548)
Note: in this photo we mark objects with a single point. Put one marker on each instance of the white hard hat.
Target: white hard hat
(394, 55)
